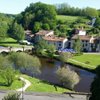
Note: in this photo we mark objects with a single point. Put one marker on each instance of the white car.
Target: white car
(25, 42)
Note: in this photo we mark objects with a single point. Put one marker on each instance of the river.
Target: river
(48, 73)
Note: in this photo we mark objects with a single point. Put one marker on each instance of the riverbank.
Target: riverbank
(36, 85)
(87, 61)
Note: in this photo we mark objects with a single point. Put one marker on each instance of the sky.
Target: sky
(17, 6)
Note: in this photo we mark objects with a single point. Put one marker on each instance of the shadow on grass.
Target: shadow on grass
(8, 42)
(53, 84)
(3, 84)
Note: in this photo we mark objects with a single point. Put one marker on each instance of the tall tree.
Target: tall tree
(17, 32)
(38, 12)
(77, 45)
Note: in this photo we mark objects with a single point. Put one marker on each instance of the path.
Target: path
(27, 84)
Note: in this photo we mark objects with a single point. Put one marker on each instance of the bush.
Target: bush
(14, 96)
(67, 77)
(25, 61)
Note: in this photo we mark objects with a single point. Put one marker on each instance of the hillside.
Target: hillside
(71, 19)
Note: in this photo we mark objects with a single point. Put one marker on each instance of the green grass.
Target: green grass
(7, 42)
(36, 86)
(90, 61)
(15, 85)
(40, 86)
(70, 19)
(67, 18)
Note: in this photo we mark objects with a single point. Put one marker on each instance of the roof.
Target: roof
(53, 38)
(43, 32)
(81, 37)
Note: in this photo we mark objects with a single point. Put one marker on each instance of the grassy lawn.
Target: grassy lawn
(90, 60)
(37, 86)
(10, 42)
(16, 84)
(67, 18)
(70, 19)
(40, 86)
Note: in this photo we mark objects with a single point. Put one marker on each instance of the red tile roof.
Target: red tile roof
(53, 38)
(43, 32)
(81, 37)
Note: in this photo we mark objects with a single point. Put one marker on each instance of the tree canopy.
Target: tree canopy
(43, 14)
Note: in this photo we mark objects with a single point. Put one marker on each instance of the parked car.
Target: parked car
(25, 42)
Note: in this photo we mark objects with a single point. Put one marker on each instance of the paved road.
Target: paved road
(45, 96)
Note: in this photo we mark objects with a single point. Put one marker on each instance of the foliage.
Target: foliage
(77, 46)
(64, 56)
(8, 74)
(3, 30)
(43, 86)
(25, 61)
(4, 62)
(40, 13)
(6, 70)
(95, 86)
(67, 77)
(13, 96)
(16, 31)
(37, 27)
(41, 45)
(51, 50)
(65, 9)
(91, 12)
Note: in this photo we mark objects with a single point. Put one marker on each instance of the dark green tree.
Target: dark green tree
(17, 32)
(38, 12)
(77, 45)
(95, 86)
(36, 27)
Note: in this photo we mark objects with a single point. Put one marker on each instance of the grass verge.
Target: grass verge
(40, 86)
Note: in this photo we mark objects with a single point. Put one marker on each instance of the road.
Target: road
(48, 96)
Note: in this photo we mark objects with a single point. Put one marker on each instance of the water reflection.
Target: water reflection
(48, 73)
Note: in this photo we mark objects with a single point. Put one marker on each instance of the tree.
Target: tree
(38, 12)
(51, 50)
(91, 12)
(3, 30)
(37, 27)
(64, 56)
(25, 61)
(95, 86)
(13, 96)
(17, 32)
(46, 26)
(67, 77)
(8, 74)
(77, 45)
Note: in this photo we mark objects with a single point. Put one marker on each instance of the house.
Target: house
(58, 42)
(28, 35)
(97, 44)
(42, 33)
(50, 38)
(80, 31)
(87, 42)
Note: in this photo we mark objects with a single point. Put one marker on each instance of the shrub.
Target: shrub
(67, 77)
(14, 96)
